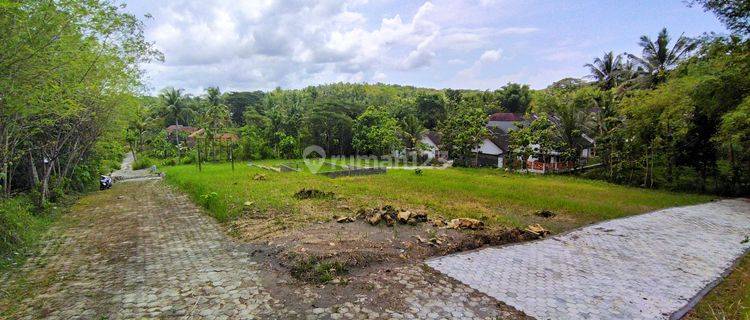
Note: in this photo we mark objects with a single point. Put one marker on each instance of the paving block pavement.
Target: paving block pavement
(650, 266)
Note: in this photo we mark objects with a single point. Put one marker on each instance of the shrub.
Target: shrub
(169, 162)
(209, 198)
(19, 228)
(188, 158)
(142, 163)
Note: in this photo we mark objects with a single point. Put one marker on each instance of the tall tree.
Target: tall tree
(657, 58)
(375, 132)
(431, 108)
(607, 70)
(735, 14)
(514, 97)
(175, 107)
(463, 131)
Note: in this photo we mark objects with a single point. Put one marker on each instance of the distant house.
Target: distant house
(488, 154)
(173, 130)
(501, 124)
(200, 134)
(181, 128)
(430, 143)
(503, 121)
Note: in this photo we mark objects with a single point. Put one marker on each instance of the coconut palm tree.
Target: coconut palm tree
(606, 70)
(657, 59)
(213, 96)
(172, 101)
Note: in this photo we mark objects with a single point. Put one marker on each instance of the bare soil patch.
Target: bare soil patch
(349, 246)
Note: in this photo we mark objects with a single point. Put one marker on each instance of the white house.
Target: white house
(430, 144)
(489, 154)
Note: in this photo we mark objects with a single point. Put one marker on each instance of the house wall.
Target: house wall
(431, 147)
(487, 147)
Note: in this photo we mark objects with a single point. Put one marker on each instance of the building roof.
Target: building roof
(435, 136)
(506, 116)
(500, 139)
(201, 134)
(187, 129)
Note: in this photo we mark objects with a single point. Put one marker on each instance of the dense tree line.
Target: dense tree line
(68, 80)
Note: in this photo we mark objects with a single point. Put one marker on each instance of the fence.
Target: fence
(543, 167)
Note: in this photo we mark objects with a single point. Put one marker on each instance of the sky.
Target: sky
(468, 44)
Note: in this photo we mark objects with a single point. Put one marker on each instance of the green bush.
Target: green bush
(142, 163)
(188, 158)
(19, 228)
(169, 162)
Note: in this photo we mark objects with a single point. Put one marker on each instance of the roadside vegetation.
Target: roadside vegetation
(20, 229)
(69, 80)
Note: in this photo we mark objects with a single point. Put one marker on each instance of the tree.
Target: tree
(174, 107)
(215, 117)
(431, 109)
(68, 72)
(572, 111)
(287, 146)
(330, 128)
(519, 144)
(375, 132)
(606, 70)
(735, 14)
(657, 59)
(514, 97)
(463, 131)
(544, 134)
(567, 84)
(241, 102)
(734, 137)
(411, 132)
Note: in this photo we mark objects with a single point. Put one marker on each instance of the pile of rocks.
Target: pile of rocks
(390, 215)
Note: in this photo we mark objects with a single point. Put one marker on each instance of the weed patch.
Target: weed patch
(20, 229)
(312, 194)
(316, 270)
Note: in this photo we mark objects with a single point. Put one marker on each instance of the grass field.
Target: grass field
(490, 195)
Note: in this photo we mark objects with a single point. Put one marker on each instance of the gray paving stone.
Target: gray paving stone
(642, 267)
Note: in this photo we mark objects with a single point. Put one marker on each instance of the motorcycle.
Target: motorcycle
(105, 183)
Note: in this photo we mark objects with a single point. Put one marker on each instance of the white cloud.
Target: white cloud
(487, 58)
(379, 77)
(262, 44)
(517, 30)
(490, 56)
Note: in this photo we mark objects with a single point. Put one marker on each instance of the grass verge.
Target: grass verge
(730, 299)
(20, 229)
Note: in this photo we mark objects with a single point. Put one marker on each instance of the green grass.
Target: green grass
(142, 162)
(20, 229)
(730, 299)
(490, 195)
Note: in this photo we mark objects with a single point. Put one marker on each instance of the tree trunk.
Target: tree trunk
(231, 157)
(34, 174)
(177, 130)
(44, 189)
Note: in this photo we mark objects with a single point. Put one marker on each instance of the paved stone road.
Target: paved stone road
(649, 266)
(126, 171)
(142, 250)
